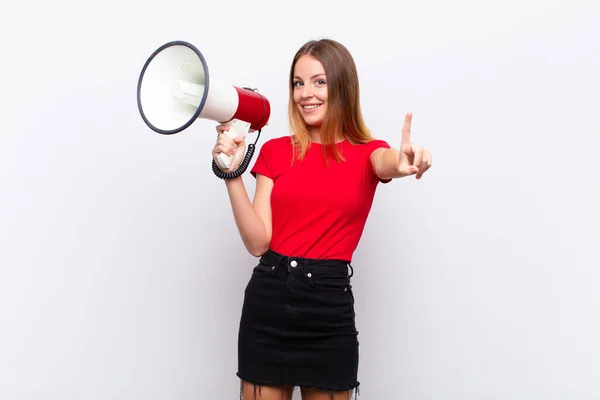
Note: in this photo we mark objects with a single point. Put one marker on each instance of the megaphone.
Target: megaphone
(175, 88)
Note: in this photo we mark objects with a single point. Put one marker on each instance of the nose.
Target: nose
(306, 91)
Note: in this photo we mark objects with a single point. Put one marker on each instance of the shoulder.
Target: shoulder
(367, 148)
(278, 142)
(376, 144)
(276, 148)
(273, 154)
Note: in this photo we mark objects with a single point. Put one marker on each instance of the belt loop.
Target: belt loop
(351, 270)
(279, 257)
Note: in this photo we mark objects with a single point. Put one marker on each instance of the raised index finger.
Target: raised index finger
(406, 128)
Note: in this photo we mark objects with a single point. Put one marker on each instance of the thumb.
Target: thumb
(238, 139)
(407, 169)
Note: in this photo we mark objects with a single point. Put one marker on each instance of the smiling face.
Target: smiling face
(310, 90)
(324, 98)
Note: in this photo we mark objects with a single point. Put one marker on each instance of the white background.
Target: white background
(121, 269)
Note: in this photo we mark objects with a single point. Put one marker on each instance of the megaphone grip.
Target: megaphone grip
(240, 170)
(224, 160)
(236, 128)
(243, 166)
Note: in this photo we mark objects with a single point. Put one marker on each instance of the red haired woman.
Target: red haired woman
(314, 191)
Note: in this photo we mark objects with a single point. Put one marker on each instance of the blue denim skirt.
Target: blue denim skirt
(297, 327)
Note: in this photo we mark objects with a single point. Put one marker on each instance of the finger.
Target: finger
(427, 160)
(406, 128)
(219, 149)
(407, 158)
(425, 164)
(222, 128)
(224, 149)
(225, 140)
(424, 161)
(406, 170)
(418, 158)
(238, 139)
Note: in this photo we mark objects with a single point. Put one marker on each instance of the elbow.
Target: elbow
(257, 253)
(258, 249)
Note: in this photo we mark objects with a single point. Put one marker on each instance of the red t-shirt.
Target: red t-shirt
(318, 211)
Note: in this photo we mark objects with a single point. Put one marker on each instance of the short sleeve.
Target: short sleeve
(264, 162)
(371, 147)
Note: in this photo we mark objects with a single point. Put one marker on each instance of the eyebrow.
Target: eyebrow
(312, 77)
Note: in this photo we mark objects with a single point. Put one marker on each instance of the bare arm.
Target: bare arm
(253, 220)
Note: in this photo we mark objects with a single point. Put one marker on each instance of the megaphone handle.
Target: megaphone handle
(236, 128)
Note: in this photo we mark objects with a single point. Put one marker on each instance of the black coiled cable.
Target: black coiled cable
(243, 166)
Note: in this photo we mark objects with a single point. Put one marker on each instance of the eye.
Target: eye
(321, 82)
(297, 83)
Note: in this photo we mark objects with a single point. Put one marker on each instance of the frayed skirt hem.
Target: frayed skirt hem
(257, 384)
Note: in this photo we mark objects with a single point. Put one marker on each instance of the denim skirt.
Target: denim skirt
(297, 325)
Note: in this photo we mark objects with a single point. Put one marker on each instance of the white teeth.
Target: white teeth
(310, 107)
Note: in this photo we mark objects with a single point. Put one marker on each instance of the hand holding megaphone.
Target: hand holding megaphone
(230, 147)
(175, 89)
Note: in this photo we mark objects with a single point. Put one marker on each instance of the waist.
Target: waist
(292, 263)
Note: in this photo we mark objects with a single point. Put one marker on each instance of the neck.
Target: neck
(315, 135)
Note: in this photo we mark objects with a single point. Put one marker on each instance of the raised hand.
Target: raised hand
(413, 159)
(230, 146)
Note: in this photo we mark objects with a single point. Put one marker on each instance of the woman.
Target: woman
(314, 191)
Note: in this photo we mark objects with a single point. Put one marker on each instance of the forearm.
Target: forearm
(251, 227)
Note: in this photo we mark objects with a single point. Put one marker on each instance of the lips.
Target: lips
(310, 107)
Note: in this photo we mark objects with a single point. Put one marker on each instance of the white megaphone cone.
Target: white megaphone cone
(174, 89)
